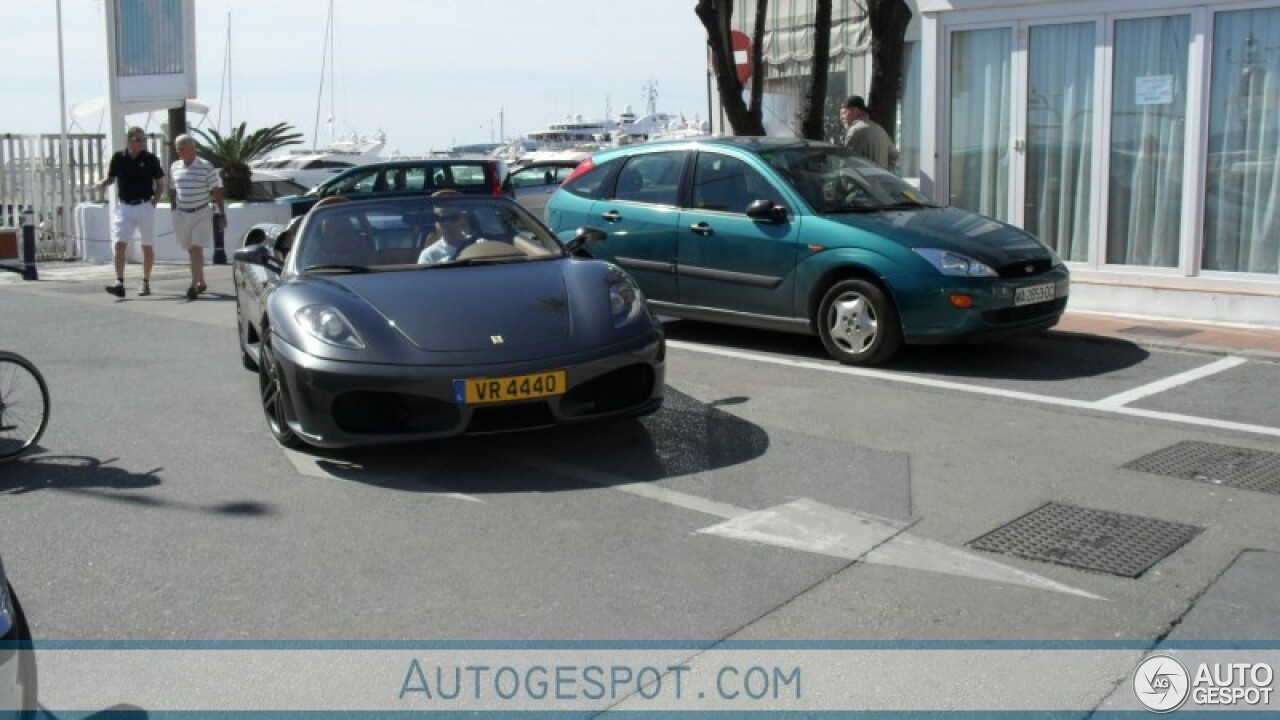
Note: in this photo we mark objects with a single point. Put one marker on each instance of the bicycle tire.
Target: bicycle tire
(24, 405)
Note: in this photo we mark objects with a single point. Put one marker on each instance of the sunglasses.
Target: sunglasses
(453, 217)
(137, 139)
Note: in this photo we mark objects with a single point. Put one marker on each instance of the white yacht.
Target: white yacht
(312, 167)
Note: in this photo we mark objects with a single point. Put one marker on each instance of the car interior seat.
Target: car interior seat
(630, 184)
(342, 244)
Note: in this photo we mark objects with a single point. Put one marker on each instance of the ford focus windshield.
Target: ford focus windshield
(834, 180)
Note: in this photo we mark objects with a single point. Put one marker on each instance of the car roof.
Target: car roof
(750, 144)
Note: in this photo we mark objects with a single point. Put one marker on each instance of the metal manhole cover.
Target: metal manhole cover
(1217, 464)
(1165, 332)
(1108, 542)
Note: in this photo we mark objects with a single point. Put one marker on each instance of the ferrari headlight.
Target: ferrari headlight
(624, 300)
(327, 325)
(955, 264)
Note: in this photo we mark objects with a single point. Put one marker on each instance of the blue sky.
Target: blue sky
(428, 73)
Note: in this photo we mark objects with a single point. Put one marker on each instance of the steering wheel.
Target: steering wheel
(850, 188)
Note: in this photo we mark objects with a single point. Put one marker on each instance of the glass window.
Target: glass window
(907, 136)
(1242, 186)
(728, 184)
(652, 178)
(1148, 135)
(980, 121)
(591, 183)
(1060, 123)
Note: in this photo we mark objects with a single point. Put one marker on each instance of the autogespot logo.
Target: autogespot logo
(1161, 683)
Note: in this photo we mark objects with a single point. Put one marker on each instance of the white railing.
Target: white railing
(32, 178)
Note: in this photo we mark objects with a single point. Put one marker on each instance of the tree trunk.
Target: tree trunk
(814, 105)
(757, 61)
(888, 20)
(716, 17)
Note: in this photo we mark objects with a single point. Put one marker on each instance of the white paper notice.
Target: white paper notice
(1154, 90)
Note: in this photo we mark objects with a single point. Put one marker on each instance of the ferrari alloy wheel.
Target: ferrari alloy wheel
(275, 395)
(858, 323)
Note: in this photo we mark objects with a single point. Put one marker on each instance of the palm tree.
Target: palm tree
(236, 150)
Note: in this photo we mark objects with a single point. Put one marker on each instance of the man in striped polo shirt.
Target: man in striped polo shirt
(192, 181)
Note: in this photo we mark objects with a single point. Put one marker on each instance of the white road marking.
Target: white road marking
(978, 389)
(1171, 382)
(810, 526)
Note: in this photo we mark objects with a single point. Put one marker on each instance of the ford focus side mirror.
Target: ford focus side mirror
(766, 211)
(584, 237)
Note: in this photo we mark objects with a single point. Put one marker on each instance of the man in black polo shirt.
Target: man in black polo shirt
(140, 186)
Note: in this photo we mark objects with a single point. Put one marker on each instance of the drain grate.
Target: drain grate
(1218, 464)
(1165, 332)
(1109, 542)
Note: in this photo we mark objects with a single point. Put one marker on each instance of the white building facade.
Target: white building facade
(1138, 138)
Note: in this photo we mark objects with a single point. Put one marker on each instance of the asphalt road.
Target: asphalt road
(158, 508)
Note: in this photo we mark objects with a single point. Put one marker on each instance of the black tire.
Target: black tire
(24, 406)
(27, 676)
(858, 323)
(274, 393)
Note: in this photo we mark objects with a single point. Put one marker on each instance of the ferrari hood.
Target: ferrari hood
(482, 307)
(978, 237)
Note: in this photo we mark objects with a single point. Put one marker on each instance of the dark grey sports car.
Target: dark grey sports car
(412, 318)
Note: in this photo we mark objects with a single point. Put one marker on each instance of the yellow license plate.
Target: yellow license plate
(478, 391)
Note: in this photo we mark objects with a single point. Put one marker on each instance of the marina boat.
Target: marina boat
(312, 167)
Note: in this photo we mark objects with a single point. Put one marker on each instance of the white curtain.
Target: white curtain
(908, 134)
(980, 102)
(1242, 187)
(1148, 136)
(1060, 136)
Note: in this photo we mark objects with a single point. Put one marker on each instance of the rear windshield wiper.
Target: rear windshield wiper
(338, 268)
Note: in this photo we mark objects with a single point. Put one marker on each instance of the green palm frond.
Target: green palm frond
(239, 147)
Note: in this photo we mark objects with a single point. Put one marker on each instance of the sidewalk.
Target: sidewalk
(1251, 342)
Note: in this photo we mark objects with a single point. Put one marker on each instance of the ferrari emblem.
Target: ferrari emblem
(495, 339)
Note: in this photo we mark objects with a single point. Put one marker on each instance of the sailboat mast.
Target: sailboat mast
(324, 58)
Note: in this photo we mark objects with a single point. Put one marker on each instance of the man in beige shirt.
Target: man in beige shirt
(866, 138)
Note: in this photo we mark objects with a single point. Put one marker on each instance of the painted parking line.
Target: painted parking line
(1213, 368)
(809, 526)
(980, 390)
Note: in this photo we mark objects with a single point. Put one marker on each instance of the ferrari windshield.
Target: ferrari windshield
(408, 233)
(834, 180)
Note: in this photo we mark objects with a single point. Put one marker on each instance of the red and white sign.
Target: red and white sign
(742, 55)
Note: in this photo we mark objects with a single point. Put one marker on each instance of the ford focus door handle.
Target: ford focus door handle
(701, 228)
(611, 216)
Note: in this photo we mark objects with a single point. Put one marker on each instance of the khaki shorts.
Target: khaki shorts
(193, 229)
(129, 219)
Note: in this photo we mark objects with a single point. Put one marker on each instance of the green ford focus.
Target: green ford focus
(803, 236)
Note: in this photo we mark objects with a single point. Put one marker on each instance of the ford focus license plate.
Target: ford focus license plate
(476, 391)
(1033, 294)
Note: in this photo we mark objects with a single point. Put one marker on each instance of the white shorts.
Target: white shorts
(193, 229)
(128, 218)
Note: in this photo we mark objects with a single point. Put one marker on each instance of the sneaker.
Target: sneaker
(145, 289)
(116, 288)
(192, 292)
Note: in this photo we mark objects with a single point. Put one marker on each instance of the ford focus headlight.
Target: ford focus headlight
(327, 325)
(955, 264)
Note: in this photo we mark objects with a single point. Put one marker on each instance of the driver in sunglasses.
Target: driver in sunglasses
(453, 233)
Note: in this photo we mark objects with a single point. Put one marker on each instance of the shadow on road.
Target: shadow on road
(92, 477)
(1043, 356)
(683, 438)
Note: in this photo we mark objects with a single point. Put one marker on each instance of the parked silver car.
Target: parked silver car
(533, 185)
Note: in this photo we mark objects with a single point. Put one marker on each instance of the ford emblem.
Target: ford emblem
(1030, 268)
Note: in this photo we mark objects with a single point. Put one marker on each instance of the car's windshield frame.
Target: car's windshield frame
(391, 234)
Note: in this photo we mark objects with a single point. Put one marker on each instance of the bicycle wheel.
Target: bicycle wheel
(24, 405)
